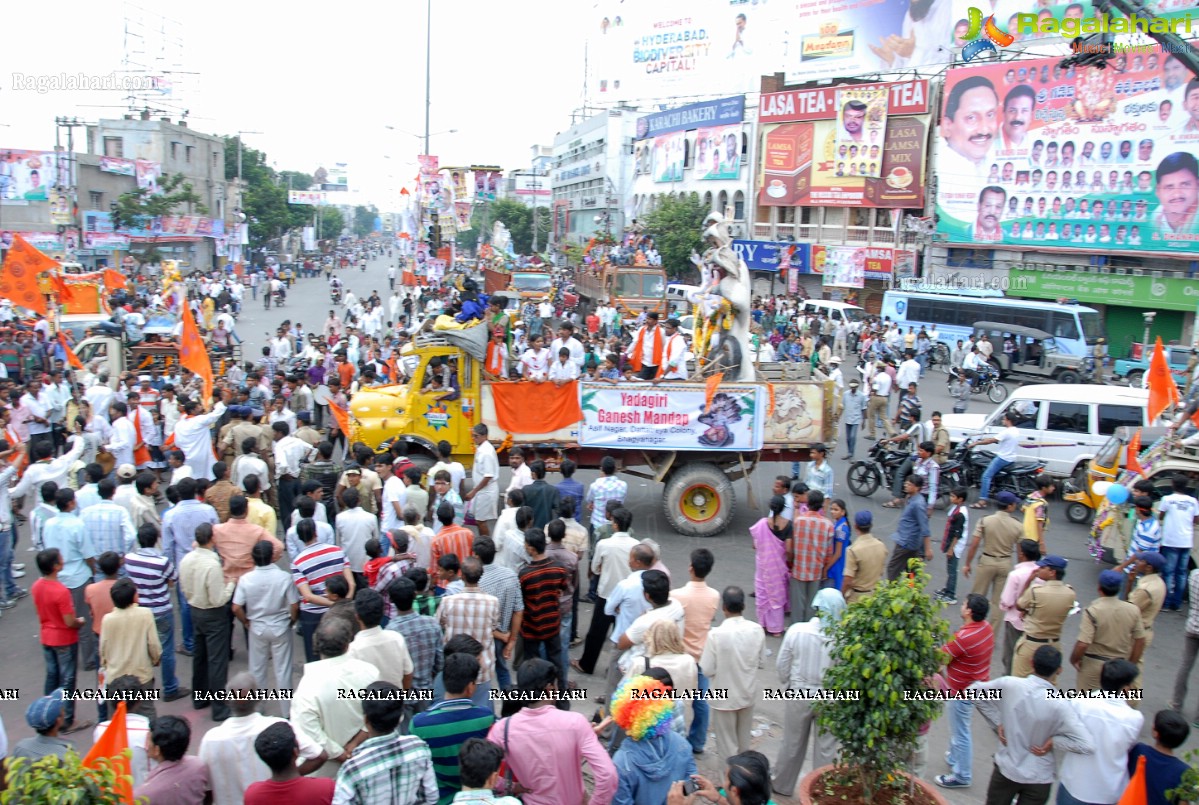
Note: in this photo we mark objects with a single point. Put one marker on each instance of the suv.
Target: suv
(1133, 372)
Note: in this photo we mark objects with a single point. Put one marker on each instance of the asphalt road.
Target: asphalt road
(308, 302)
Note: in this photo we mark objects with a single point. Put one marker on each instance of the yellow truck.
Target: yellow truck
(672, 433)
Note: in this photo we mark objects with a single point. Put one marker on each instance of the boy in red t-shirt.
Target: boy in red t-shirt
(276, 746)
(59, 632)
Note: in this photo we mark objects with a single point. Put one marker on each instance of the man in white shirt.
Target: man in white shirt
(908, 371)
(563, 369)
(1031, 724)
(486, 476)
(281, 347)
(611, 563)
(354, 528)
(44, 470)
(289, 452)
(675, 367)
(35, 402)
(1179, 513)
(268, 605)
(384, 649)
(1115, 728)
(123, 439)
(880, 394)
(567, 340)
(395, 497)
(229, 746)
(1008, 442)
(317, 708)
(280, 413)
(731, 660)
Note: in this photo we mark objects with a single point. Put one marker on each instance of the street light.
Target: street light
(425, 136)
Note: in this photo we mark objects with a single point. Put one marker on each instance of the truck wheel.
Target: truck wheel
(1068, 376)
(1078, 512)
(699, 500)
(1135, 379)
(863, 479)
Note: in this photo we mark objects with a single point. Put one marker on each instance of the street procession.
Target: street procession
(810, 416)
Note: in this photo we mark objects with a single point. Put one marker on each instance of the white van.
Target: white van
(678, 297)
(852, 314)
(1063, 425)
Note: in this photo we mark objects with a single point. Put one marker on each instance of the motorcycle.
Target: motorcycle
(866, 476)
(279, 296)
(335, 295)
(985, 380)
(966, 467)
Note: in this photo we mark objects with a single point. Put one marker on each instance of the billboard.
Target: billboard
(336, 177)
(29, 175)
(671, 417)
(850, 265)
(117, 165)
(1105, 162)
(718, 152)
(808, 158)
(311, 197)
(669, 150)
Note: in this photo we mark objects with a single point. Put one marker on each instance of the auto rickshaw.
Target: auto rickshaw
(1082, 499)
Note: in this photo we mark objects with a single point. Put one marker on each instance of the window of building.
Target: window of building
(861, 216)
(686, 153)
(834, 216)
(187, 152)
(738, 206)
(723, 202)
(970, 258)
(95, 196)
(174, 150)
(787, 214)
(216, 159)
(708, 199)
(114, 146)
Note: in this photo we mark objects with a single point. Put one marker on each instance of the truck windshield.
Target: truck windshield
(652, 285)
(531, 282)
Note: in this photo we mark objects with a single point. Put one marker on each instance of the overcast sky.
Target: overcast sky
(320, 87)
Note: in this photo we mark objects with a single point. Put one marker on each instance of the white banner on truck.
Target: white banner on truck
(672, 416)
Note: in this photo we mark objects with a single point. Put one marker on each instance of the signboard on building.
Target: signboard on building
(29, 175)
(1098, 160)
(312, 197)
(1164, 293)
(692, 116)
(808, 158)
(767, 255)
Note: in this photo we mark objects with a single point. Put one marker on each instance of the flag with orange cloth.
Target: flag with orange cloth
(112, 744)
(710, 385)
(342, 416)
(1137, 792)
(114, 279)
(192, 353)
(1134, 450)
(527, 407)
(1163, 391)
(60, 288)
(72, 359)
(18, 276)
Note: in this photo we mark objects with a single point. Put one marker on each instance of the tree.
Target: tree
(677, 228)
(364, 220)
(139, 208)
(330, 223)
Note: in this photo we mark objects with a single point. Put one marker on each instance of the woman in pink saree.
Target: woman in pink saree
(770, 569)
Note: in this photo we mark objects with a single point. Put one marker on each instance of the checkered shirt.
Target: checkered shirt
(605, 488)
(502, 582)
(423, 637)
(477, 614)
(388, 769)
(812, 536)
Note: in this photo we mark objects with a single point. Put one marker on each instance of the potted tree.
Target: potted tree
(63, 781)
(885, 648)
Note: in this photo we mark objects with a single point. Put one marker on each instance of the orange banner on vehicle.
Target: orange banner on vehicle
(18, 277)
(526, 407)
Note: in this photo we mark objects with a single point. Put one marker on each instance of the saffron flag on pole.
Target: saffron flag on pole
(72, 359)
(710, 385)
(192, 353)
(18, 277)
(1163, 391)
(342, 416)
(1134, 450)
(114, 279)
(1137, 792)
(112, 744)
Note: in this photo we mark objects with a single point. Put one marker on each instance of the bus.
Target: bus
(1075, 328)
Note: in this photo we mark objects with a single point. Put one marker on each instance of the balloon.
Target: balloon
(1099, 488)
(1117, 494)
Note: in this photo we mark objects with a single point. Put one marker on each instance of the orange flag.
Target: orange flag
(342, 416)
(192, 354)
(710, 386)
(60, 288)
(18, 277)
(72, 359)
(1163, 391)
(1137, 792)
(1134, 450)
(112, 744)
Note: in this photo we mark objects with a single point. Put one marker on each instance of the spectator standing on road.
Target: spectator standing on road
(208, 591)
(731, 660)
(1179, 513)
(59, 628)
(154, 574)
(1113, 726)
(700, 605)
(66, 532)
(450, 723)
(268, 606)
(968, 656)
(811, 548)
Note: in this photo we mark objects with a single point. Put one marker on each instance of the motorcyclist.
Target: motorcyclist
(974, 366)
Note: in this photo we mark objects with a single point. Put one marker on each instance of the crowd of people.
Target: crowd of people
(437, 619)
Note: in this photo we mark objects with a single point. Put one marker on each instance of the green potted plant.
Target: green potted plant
(1188, 786)
(63, 781)
(886, 646)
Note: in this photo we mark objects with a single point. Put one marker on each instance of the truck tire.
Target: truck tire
(699, 500)
(1135, 379)
(1068, 376)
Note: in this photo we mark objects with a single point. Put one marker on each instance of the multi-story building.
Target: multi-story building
(591, 176)
(160, 148)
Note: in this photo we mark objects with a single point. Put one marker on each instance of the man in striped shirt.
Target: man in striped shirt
(311, 570)
(968, 661)
(542, 584)
(153, 573)
(475, 613)
(450, 723)
(451, 538)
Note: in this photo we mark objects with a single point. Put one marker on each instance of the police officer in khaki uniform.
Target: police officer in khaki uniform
(1148, 596)
(243, 429)
(1111, 629)
(865, 559)
(997, 535)
(1046, 607)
